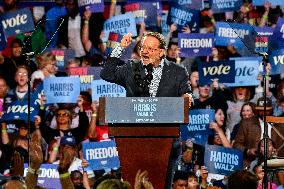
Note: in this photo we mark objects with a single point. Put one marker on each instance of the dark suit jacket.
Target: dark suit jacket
(174, 81)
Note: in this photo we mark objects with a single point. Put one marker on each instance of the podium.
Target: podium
(144, 130)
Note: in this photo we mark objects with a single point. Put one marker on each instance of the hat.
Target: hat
(260, 104)
(68, 140)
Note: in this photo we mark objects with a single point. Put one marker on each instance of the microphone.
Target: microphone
(29, 54)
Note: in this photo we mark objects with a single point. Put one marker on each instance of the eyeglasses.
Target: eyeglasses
(62, 115)
(148, 49)
(21, 74)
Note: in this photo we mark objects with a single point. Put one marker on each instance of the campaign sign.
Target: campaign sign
(231, 34)
(48, 177)
(151, 12)
(222, 70)
(198, 127)
(16, 22)
(101, 155)
(246, 69)
(182, 17)
(164, 25)
(137, 11)
(195, 44)
(191, 4)
(61, 89)
(92, 5)
(262, 38)
(113, 41)
(62, 56)
(102, 88)
(273, 2)
(276, 60)
(86, 75)
(224, 161)
(278, 33)
(122, 24)
(219, 6)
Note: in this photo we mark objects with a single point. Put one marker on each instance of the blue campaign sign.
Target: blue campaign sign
(218, 6)
(224, 161)
(276, 60)
(182, 17)
(151, 12)
(231, 34)
(198, 127)
(224, 71)
(92, 5)
(121, 24)
(164, 25)
(61, 89)
(190, 4)
(16, 22)
(101, 155)
(195, 44)
(273, 2)
(278, 33)
(247, 70)
(102, 88)
(262, 38)
(48, 177)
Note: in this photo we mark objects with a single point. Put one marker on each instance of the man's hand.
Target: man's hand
(190, 99)
(126, 40)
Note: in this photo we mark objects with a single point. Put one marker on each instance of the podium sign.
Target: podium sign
(144, 110)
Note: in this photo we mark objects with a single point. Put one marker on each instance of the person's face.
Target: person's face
(51, 67)
(187, 155)
(220, 117)
(217, 140)
(150, 52)
(204, 91)
(241, 93)
(192, 183)
(77, 179)
(180, 184)
(271, 149)
(23, 131)
(247, 112)
(259, 172)
(16, 50)
(172, 51)
(194, 77)
(3, 88)
(62, 117)
(21, 77)
(10, 4)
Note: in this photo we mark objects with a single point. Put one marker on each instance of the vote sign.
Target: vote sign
(218, 6)
(224, 71)
(48, 176)
(102, 88)
(61, 89)
(222, 160)
(231, 33)
(16, 22)
(195, 44)
(101, 155)
(246, 69)
(276, 59)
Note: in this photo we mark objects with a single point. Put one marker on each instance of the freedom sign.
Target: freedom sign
(61, 89)
(48, 177)
(121, 24)
(224, 71)
(231, 34)
(92, 5)
(276, 60)
(195, 44)
(102, 88)
(101, 155)
(16, 22)
(224, 161)
(182, 16)
(86, 75)
(273, 2)
(246, 69)
(198, 127)
(219, 6)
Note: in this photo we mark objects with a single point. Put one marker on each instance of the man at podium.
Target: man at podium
(152, 75)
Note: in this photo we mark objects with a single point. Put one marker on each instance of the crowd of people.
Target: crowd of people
(58, 131)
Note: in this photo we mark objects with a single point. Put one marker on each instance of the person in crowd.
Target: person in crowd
(259, 172)
(46, 68)
(192, 181)
(3, 91)
(180, 180)
(7, 70)
(194, 83)
(157, 82)
(242, 179)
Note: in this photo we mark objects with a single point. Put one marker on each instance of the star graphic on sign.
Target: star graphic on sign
(17, 31)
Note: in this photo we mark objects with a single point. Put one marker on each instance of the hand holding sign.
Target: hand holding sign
(126, 40)
(87, 14)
